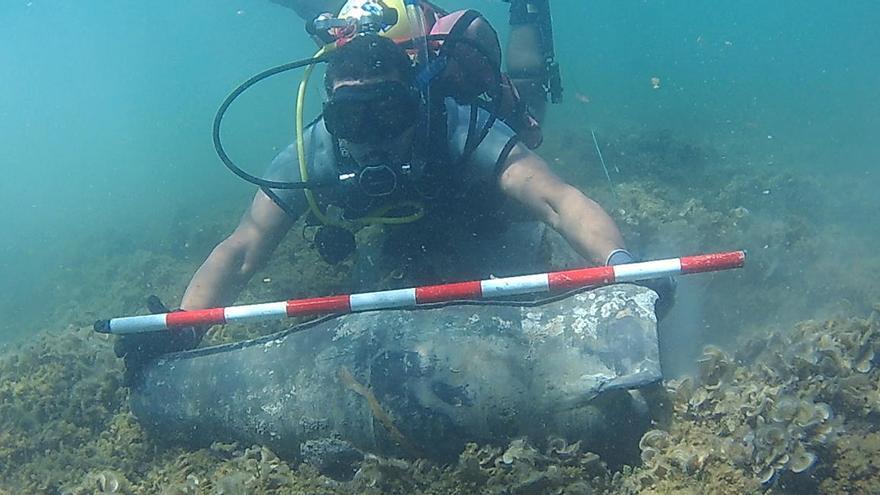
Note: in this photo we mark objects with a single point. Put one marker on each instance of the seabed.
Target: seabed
(786, 400)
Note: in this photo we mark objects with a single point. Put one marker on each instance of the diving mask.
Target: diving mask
(371, 113)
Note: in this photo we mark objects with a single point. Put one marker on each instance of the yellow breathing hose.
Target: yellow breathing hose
(376, 217)
(300, 141)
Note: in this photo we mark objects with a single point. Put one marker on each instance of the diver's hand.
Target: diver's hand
(137, 349)
(664, 287)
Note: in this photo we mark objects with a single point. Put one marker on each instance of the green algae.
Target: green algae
(705, 446)
(65, 426)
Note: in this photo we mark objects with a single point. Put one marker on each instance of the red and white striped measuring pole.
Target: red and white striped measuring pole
(415, 296)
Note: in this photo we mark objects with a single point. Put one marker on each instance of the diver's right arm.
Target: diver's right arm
(234, 261)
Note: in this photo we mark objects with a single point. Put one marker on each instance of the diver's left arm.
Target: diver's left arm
(584, 224)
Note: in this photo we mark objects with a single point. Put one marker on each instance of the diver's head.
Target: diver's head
(372, 100)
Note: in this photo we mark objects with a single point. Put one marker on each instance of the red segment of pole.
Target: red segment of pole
(319, 306)
(449, 292)
(712, 262)
(581, 277)
(213, 316)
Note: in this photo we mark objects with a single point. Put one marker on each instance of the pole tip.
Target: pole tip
(102, 326)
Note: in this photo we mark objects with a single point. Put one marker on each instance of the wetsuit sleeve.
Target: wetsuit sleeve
(478, 141)
(285, 168)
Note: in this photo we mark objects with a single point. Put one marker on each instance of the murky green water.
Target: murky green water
(746, 125)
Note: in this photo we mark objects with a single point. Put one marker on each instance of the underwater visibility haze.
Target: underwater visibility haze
(745, 125)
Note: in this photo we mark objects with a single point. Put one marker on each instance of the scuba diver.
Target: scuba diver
(412, 148)
(530, 55)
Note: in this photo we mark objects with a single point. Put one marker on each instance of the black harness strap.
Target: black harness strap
(469, 145)
(505, 154)
(281, 204)
(463, 23)
(474, 139)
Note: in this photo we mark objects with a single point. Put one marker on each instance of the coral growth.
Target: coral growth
(778, 422)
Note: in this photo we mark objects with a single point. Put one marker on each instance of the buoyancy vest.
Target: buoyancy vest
(467, 67)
